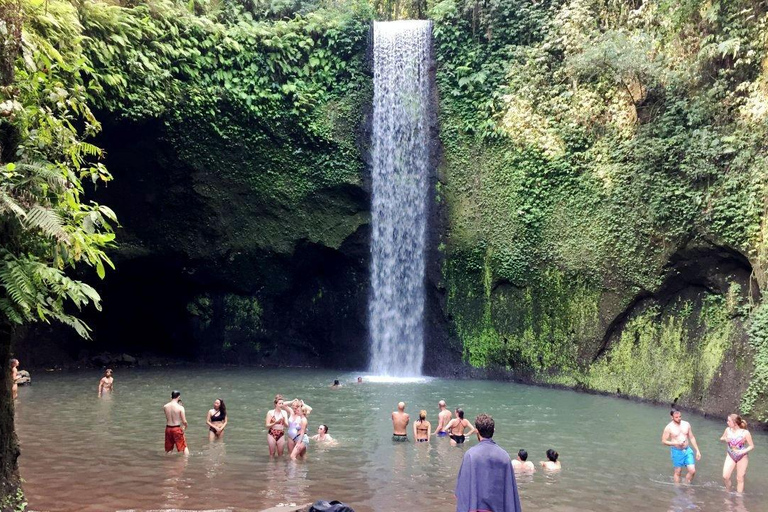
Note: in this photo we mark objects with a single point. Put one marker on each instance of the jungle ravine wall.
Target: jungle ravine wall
(599, 209)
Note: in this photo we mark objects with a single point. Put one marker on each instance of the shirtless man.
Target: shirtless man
(175, 417)
(400, 421)
(107, 382)
(456, 426)
(677, 435)
(444, 417)
(14, 379)
(521, 464)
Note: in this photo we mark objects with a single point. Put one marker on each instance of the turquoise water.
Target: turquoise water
(84, 453)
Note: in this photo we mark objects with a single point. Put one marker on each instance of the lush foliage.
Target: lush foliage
(45, 117)
(595, 139)
(265, 110)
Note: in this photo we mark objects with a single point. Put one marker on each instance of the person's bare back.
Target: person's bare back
(174, 414)
(400, 420)
(444, 417)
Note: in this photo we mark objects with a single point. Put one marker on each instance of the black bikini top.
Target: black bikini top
(218, 416)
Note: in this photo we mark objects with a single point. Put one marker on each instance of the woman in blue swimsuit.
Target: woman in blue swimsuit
(736, 437)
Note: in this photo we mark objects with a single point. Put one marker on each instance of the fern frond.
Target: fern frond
(9, 204)
(18, 286)
(78, 325)
(48, 222)
(7, 309)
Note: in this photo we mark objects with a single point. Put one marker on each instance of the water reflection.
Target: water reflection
(175, 484)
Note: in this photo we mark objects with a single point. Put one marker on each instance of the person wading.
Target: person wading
(175, 424)
(486, 481)
(400, 421)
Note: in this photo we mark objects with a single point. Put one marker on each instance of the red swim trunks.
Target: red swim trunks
(174, 436)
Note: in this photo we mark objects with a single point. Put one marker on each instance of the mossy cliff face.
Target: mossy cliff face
(237, 141)
(604, 188)
(599, 213)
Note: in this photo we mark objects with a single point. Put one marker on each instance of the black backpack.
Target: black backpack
(330, 506)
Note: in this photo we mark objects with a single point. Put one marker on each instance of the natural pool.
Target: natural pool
(84, 453)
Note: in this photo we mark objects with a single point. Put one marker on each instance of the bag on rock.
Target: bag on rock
(330, 506)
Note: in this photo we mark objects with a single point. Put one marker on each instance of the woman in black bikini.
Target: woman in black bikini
(217, 420)
(422, 430)
(456, 426)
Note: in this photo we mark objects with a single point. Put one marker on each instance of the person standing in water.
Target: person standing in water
(443, 417)
(107, 382)
(400, 420)
(422, 430)
(486, 481)
(456, 427)
(336, 384)
(298, 440)
(736, 436)
(14, 363)
(277, 421)
(175, 417)
(522, 464)
(217, 420)
(678, 435)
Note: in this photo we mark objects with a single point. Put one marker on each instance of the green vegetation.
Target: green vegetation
(591, 140)
(588, 145)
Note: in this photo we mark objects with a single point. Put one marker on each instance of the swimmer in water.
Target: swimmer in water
(276, 422)
(217, 420)
(739, 442)
(359, 380)
(456, 428)
(521, 464)
(400, 420)
(336, 384)
(323, 436)
(444, 417)
(422, 430)
(107, 382)
(551, 464)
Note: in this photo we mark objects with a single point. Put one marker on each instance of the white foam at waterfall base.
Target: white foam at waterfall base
(399, 199)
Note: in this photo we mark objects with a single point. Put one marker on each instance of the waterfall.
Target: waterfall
(401, 52)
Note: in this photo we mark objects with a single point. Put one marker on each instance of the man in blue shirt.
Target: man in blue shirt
(486, 482)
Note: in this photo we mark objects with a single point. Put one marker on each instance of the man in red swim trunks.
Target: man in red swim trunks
(174, 419)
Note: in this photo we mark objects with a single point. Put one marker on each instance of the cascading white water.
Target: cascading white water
(399, 211)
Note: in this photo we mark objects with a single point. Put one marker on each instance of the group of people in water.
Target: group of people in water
(287, 425)
(678, 435)
(457, 429)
